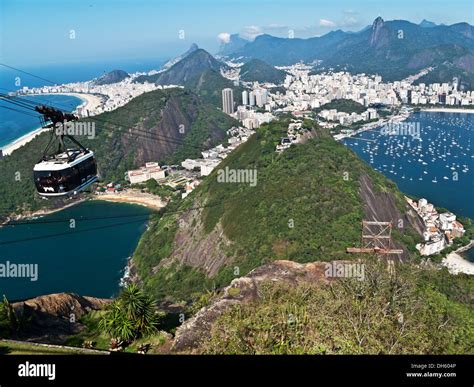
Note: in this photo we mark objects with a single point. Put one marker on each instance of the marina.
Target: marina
(438, 164)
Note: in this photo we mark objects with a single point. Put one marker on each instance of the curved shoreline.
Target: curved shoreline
(23, 140)
(456, 263)
(89, 102)
(144, 199)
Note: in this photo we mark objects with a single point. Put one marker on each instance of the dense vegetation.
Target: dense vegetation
(115, 148)
(302, 209)
(415, 311)
(130, 316)
(343, 105)
(9, 322)
(209, 85)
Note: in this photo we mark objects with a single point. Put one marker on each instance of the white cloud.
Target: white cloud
(326, 23)
(251, 32)
(224, 37)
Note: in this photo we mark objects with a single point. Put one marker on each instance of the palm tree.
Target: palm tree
(132, 315)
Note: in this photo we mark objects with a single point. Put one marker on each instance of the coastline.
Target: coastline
(89, 102)
(23, 140)
(42, 212)
(447, 110)
(144, 199)
(456, 264)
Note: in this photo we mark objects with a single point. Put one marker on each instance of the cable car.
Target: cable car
(68, 170)
(66, 174)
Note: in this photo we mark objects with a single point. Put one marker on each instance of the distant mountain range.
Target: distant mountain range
(394, 49)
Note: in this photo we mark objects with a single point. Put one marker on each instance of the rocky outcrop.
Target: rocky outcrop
(382, 206)
(244, 290)
(377, 28)
(53, 317)
(193, 247)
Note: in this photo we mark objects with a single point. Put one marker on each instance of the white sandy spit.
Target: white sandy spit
(457, 264)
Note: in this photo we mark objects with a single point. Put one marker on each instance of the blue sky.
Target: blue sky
(40, 31)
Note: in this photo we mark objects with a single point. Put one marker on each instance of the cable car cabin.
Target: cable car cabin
(65, 173)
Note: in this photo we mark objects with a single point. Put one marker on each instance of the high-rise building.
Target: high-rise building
(245, 97)
(252, 99)
(228, 101)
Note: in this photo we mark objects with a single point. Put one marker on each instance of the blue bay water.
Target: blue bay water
(439, 167)
(88, 259)
(14, 124)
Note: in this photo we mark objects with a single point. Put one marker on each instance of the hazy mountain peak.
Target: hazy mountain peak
(427, 24)
(235, 43)
(170, 63)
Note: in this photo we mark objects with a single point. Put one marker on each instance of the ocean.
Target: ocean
(430, 155)
(89, 259)
(14, 125)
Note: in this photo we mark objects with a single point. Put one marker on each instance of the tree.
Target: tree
(132, 315)
(8, 320)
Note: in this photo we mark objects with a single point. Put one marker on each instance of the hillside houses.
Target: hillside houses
(440, 229)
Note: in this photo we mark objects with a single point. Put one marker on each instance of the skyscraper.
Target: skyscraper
(252, 99)
(245, 97)
(228, 101)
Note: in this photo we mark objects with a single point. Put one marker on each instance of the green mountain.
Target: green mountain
(209, 85)
(306, 205)
(163, 125)
(257, 70)
(393, 49)
(111, 77)
(191, 66)
(198, 71)
(173, 61)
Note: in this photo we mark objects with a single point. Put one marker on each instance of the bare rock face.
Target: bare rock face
(53, 317)
(377, 26)
(244, 290)
(193, 247)
(382, 206)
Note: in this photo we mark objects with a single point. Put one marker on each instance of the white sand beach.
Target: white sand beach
(90, 102)
(19, 142)
(133, 197)
(457, 264)
(447, 110)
